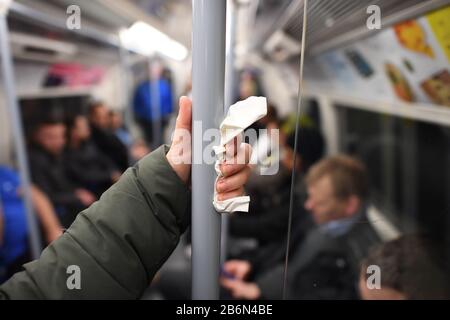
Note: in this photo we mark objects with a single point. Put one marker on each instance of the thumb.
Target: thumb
(184, 119)
(179, 155)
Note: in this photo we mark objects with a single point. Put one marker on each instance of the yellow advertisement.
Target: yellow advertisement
(411, 35)
(440, 24)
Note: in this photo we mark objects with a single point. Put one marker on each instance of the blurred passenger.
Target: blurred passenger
(411, 267)
(145, 101)
(269, 191)
(122, 240)
(270, 118)
(325, 265)
(14, 243)
(249, 85)
(139, 150)
(86, 164)
(48, 218)
(310, 148)
(49, 173)
(117, 126)
(104, 138)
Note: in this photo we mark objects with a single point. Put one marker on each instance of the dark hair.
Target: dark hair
(272, 113)
(94, 105)
(71, 123)
(348, 176)
(48, 121)
(310, 146)
(412, 265)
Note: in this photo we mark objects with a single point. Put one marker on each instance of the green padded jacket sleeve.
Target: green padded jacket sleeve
(118, 243)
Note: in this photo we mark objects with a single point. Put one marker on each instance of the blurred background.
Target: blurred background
(95, 87)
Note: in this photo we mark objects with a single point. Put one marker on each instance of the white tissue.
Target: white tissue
(240, 116)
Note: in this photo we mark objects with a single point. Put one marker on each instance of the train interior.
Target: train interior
(361, 87)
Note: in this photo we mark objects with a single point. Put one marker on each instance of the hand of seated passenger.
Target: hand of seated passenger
(115, 176)
(239, 269)
(235, 170)
(241, 290)
(85, 197)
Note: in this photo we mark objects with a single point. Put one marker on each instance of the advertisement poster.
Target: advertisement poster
(407, 62)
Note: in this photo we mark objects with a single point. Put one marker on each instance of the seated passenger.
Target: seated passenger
(118, 128)
(14, 246)
(411, 267)
(138, 148)
(267, 217)
(86, 165)
(325, 265)
(122, 240)
(270, 193)
(106, 140)
(49, 173)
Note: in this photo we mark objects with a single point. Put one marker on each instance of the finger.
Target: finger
(233, 182)
(228, 283)
(184, 119)
(232, 147)
(230, 169)
(237, 163)
(235, 270)
(230, 195)
(231, 265)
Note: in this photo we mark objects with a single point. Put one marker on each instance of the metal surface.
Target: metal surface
(18, 134)
(126, 89)
(296, 142)
(339, 22)
(155, 105)
(230, 79)
(352, 26)
(59, 22)
(208, 73)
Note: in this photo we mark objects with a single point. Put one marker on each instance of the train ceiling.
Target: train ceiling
(331, 23)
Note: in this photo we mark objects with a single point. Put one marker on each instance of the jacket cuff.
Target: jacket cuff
(169, 195)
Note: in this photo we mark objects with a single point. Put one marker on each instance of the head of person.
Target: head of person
(249, 85)
(99, 115)
(410, 267)
(115, 120)
(270, 118)
(78, 129)
(337, 188)
(310, 147)
(51, 136)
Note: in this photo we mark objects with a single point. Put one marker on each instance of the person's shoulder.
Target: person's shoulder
(37, 155)
(363, 233)
(360, 239)
(319, 242)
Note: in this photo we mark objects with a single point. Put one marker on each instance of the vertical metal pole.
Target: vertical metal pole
(155, 103)
(329, 119)
(18, 134)
(208, 73)
(125, 89)
(230, 76)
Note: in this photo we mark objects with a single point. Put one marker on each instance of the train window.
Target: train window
(407, 162)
